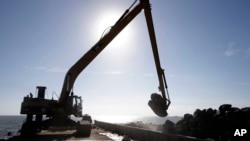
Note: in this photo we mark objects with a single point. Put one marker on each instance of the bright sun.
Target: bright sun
(105, 21)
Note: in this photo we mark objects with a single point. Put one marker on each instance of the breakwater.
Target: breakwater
(143, 134)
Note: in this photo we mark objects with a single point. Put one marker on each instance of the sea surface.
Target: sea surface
(10, 124)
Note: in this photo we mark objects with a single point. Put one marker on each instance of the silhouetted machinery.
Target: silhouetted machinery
(58, 111)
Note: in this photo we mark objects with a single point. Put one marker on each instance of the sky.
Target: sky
(204, 48)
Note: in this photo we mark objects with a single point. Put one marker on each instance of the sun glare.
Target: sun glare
(104, 22)
(123, 46)
(116, 118)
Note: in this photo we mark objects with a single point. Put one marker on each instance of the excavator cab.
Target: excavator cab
(74, 105)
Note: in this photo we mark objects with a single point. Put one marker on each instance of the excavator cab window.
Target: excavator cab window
(76, 102)
(78, 106)
(74, 105)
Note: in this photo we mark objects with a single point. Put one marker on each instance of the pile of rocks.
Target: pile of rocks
(210, 123)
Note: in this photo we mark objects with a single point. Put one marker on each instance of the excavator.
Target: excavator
(43, 114)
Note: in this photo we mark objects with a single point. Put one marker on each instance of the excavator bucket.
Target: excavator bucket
(158, 105)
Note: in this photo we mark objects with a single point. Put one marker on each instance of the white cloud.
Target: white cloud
(148, 74)
(57, 69)
(115, 72)
(231, 50)
(53, 69)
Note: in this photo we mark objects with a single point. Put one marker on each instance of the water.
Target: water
(10, 124)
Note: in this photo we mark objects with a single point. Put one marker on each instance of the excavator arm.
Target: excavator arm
(158, 104)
